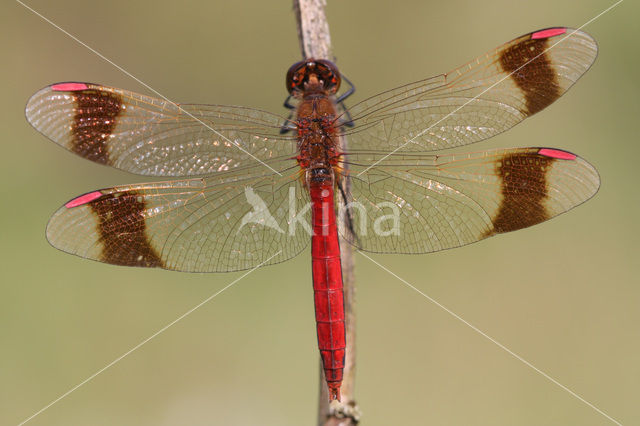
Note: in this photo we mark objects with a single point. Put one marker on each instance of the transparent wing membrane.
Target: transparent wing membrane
(475, 101)
(224, 223)
(242, 200)
(416, 203)
(148, 136)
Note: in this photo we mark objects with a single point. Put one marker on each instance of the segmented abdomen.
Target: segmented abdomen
(327, 285)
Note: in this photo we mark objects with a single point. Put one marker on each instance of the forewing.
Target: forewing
(154, 137)
(224, 223)
(412, 203)
(476, 101)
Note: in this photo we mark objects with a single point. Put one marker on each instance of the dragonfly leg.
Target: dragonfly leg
(287, 104)
(347, 213)
(348, 122)
(349, 92)
(285, 127)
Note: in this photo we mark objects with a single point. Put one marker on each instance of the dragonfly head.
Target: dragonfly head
(313, 75)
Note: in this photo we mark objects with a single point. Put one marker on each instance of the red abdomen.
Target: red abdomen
(327, 285)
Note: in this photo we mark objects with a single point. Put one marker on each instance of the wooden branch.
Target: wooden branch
(313, 29)
(315, 42)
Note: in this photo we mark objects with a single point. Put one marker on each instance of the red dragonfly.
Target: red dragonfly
(255, 187)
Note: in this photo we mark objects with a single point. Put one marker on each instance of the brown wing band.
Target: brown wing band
(95, 118)
(537, 79)
(524, 190)
(122, 228)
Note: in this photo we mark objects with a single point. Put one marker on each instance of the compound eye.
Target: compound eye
(330, 75)
(324, 70)
(295, 76)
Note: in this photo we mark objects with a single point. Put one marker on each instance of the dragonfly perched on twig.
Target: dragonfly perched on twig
(256, 187)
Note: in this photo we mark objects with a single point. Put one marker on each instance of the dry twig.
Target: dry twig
(315, 42)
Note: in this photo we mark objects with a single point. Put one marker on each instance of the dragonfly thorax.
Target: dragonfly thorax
(317, 141)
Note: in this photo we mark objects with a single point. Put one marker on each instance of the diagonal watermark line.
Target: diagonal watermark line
(494, 341)
(234, 143)
(490, 87)
(163, 329)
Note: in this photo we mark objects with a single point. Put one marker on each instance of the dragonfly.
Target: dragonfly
(252, 188)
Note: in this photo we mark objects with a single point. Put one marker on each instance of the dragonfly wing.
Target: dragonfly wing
(224, 223)
(412, 203)
(478, 100)
(154, 137)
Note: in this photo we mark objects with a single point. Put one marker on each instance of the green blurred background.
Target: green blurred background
(565, 295)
